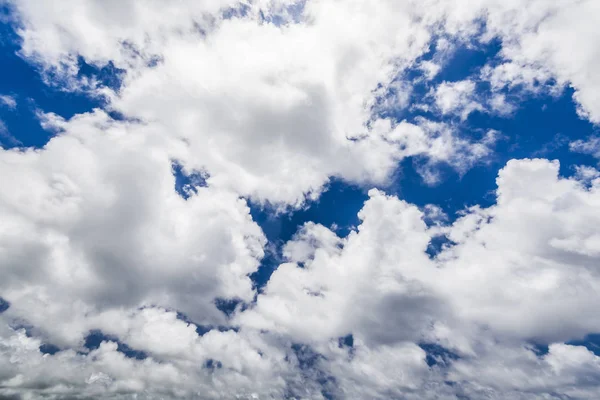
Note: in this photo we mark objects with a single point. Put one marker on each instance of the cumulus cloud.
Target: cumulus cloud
(99, 225)
(96, 259)
(268, 101)
(539, 241)
(526, 262)
(245, 368)
(326, 290)
(300, 95)
(519, 373)
(514, 274)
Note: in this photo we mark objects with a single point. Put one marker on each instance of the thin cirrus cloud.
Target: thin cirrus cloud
(268, 102)
(8, 101)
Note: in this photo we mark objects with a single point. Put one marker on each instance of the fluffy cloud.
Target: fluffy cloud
(246, 368)
(519, 267)
(457, 97)
(327, 289)
(100, 238)
(541, 43)
(514, 274)
(268, 101)
(99, 225)
(298, 95)
(550, 41)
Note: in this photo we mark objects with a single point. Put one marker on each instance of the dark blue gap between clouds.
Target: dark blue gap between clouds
(590, 342)
(96, 337)
(92, 341)
(542, 126)
(4, 305)
(23, 81)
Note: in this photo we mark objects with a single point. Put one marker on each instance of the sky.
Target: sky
(314, 199)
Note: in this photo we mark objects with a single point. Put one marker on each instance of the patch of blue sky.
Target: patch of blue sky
(336, 209)
(23, 81)
(186, 184)
(4, 305)
(47, 348)
(95, 338)
(542, 125)
(590, 341)
(204, 329)
(437, 355)
(240, 11)
(92, 341)
(291, 13)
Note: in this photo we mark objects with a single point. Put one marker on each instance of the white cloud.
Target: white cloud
(248, 369)
(568, 371)
(551, 41)
(499, 105)
(461, 98)
(99, 239)
(296, 109)
(90, 257)
(517, 271)
(516, 268)
(255, 102)
(519, 267)
(430, 69)
(457, 97)
(541, 42)
(590, 146)
(586, 174)
(8, 101)
(383, 372)
(6, 138)
(99, 225)
(332, 294)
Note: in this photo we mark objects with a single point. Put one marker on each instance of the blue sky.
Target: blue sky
(254, 203)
